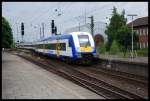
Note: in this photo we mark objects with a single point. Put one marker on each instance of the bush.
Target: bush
(143, 52)
(102, 48)
(114, 48)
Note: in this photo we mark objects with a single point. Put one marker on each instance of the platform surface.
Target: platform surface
(22, 79)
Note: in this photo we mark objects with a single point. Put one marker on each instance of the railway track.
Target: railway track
(106, 90)
(122, 76)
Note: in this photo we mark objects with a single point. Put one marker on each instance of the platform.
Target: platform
(22, 79)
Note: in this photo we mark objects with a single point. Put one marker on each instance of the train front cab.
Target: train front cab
(85, 48)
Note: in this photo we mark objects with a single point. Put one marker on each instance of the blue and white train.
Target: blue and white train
(76, 47)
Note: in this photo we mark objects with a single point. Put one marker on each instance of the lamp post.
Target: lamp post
(36, 37)
(92, 25)
(17, 32)
(132, 15)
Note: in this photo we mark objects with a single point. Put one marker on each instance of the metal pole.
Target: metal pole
(40, 32)
(17, 31)
(132, 36)
(22, 38)
(85, 14)
(79, 26)
(132, 31)
(92, 25)
(43, 29)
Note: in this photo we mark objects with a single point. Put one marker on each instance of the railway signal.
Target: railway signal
(55, 30)
(22, 30)
(52, 27)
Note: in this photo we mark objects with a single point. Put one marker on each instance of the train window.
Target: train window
(40, 46)
(63, 46)
(84, 40)
(50, 46)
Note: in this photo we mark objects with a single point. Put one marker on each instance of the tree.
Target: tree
(7, 37)
(114, 47)
(124, 38)
(101, 48)
(116, 21)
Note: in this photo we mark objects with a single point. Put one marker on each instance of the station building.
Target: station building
(140, 26)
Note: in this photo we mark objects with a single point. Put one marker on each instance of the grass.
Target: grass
(119, 55)
(143, 52)
(140, 53)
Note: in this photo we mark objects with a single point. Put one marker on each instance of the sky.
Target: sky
(65, 14)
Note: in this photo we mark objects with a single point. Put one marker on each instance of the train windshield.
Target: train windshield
(84, 40)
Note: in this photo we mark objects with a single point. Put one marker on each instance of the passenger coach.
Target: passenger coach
(75, 47)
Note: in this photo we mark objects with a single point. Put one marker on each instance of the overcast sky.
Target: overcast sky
(71, 13)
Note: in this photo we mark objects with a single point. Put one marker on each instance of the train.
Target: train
(75, 47)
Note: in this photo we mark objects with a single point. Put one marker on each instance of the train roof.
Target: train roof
(60, 36)
(54, 37)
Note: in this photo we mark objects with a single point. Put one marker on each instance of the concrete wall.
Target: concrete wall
(140, 69)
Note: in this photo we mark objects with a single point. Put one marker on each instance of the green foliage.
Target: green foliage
(7, 37)
(116, 21)
(124, 38)
(13, 45)
(101, 49)
(143, 52)
(114, 48)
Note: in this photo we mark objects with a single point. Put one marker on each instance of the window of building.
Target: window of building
(143, 31)
(143, 45)
(137, 32)
(140, 45)
(140, 32)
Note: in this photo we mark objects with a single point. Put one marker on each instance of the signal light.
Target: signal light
(52, 24)
(22, 32)
(22, 26)
(55, 30)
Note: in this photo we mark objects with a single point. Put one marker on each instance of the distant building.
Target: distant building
(140, 25)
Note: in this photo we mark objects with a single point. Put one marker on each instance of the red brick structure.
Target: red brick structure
(140, 25)
(98, 39)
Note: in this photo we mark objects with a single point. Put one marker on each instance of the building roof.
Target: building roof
(139, 22)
